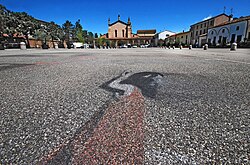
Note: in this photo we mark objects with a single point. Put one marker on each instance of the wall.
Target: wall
(248, 31)
(202, 27)
(119, 27)
(221, 19)
(162, 35)
(242, 30)
(38, 43)
(183, 38)
(228, 29)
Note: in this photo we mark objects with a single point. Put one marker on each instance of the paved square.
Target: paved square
(125, 106)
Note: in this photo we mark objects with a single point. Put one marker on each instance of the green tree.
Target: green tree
(79, 31)
(85, 35)
(53, 32)
(68, 30)
(101, 41)
(90, 37)
(26, 24)
(96, 35)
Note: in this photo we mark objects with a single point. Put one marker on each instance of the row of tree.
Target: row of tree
(20, 23)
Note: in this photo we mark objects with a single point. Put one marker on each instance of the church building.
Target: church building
(120, 33)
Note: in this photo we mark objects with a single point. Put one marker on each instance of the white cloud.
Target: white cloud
(206, 18)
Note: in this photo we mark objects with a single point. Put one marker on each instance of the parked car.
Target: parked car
(45, 46)
(70, 45)
(85, 46)
(124, 46)
(11, 45)
(78, 45)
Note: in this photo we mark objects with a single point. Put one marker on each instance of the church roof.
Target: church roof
(117, 22)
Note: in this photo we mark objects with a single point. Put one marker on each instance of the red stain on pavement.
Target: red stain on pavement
(118, 138)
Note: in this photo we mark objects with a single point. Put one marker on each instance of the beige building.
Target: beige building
(146, 36)
(120, 29)
(120, 33)
(200, 29)
(182, 38)
(170, 40)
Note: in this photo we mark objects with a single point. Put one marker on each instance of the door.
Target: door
(233, 38)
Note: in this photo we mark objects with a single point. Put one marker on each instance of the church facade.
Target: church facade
(120, 33)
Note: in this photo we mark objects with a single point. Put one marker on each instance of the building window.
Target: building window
(123, 33)
(201, 25)
(181, 36)
(248, 36)
(223, 30)
(196, 33)
(212, 23)
(212, 32)
(187, 37)
(115, 33)
(237, 28)
(233, 38)
(204, 31)
(205, 24)
(200, 32)
(214, 41)
(191, 34)
(197, 27)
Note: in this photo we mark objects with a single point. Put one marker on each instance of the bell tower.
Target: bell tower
(129, 28)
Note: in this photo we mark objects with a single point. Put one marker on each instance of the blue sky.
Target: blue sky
(157, 14)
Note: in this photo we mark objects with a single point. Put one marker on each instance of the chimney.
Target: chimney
(230, 17)
(119, 17)
(109, 21)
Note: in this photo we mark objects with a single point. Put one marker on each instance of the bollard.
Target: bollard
(56, 46)
(190, 47)
(169, 47)
(173, 47)
(181, 47)
(74, 46)
(22, 46)
(205, 47)
(233, 46)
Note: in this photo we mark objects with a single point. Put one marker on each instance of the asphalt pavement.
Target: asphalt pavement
(125, 106)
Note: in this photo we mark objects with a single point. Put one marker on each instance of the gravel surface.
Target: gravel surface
(55, 104)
